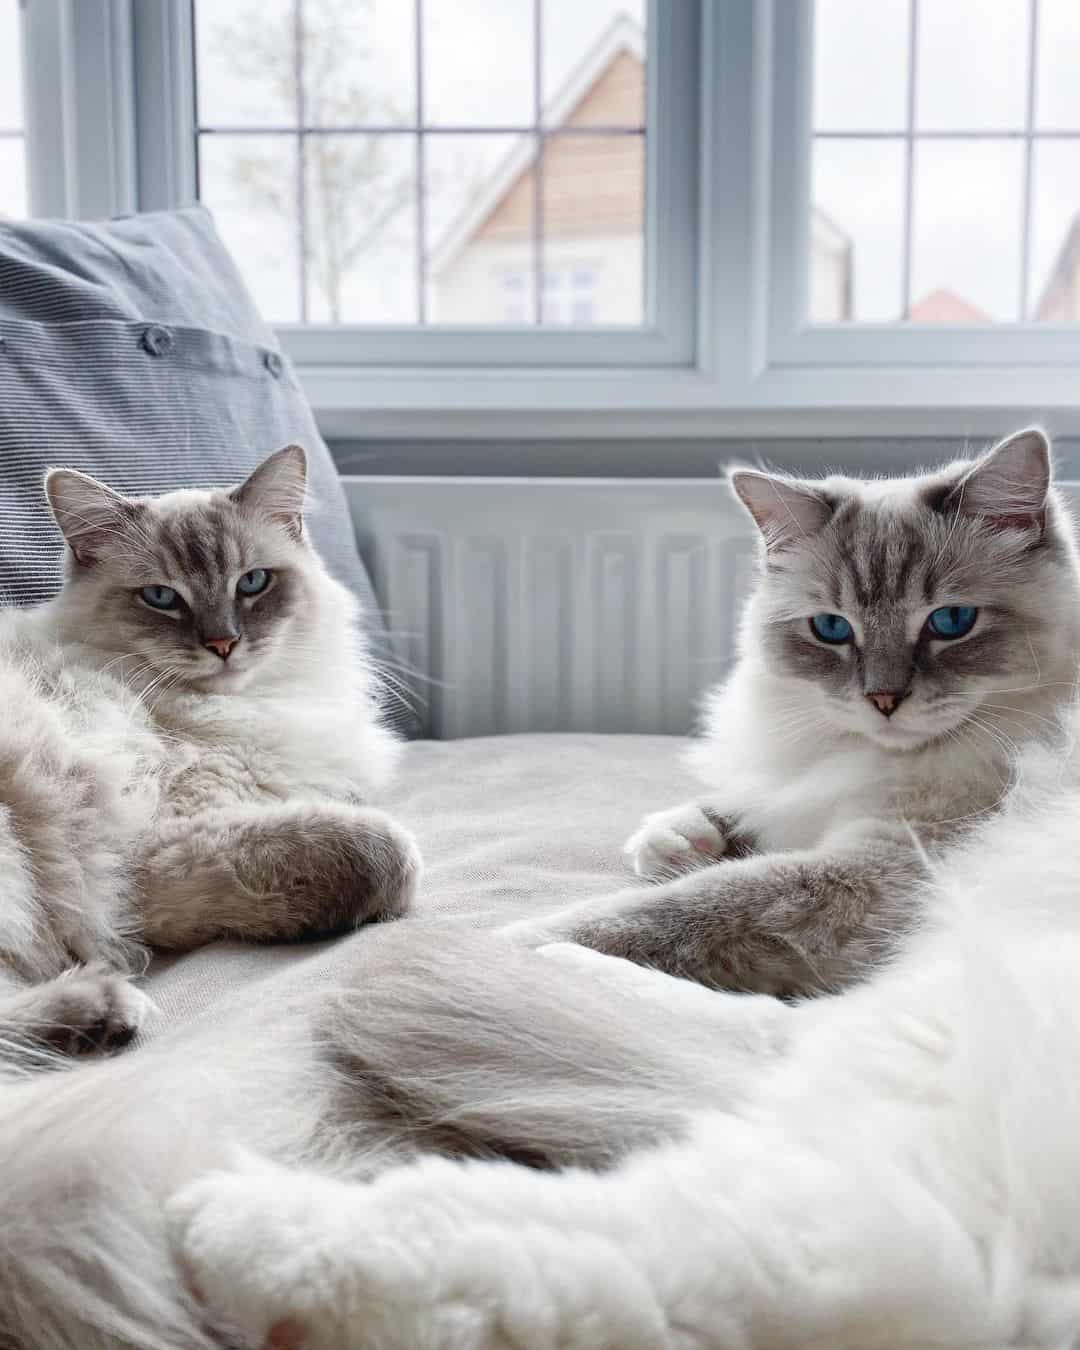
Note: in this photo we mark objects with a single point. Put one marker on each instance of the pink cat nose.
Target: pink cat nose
(223, 646)
(886, 701)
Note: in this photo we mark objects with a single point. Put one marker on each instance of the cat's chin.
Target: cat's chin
(225, 678)
(896, 736)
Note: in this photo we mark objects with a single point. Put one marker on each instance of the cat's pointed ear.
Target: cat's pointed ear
(784, 509)
(277, 488)
(1007, 487)
(90, 515)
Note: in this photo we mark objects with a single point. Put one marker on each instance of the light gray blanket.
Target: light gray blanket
(509, 826)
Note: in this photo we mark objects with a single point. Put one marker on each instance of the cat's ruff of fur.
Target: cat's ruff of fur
(794, 873)
(152, 792)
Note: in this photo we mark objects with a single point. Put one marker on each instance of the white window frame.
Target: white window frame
(110, 121)
(665, 340)
(796, 344)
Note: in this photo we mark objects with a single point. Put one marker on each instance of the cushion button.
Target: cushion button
(273, 364)
(157, 341)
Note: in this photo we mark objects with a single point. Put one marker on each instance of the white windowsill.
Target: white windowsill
(443, 403)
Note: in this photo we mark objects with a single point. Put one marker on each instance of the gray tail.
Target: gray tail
(476, 1046)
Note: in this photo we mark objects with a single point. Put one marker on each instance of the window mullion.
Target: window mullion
(421, 172)
(164, 53)
(80, 107)
(909, 156)
(1029, 129)
(538, 170)
(302, 242)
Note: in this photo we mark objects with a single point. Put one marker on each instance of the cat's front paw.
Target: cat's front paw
(670, 842)
(290, 1260)
(90, 1009)
(393, 862)
(253, 1246)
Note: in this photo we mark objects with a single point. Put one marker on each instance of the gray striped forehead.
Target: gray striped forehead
(875, 555)
(205, 544)
(884, 556)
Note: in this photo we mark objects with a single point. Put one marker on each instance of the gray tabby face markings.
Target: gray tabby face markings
(199, 545)
(884, 556)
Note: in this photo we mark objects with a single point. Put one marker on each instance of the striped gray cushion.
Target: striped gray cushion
(130, 349)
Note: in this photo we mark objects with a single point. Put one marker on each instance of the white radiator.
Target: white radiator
(555, 604)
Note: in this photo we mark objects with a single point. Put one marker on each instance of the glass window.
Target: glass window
(397, 161)
(945, 146)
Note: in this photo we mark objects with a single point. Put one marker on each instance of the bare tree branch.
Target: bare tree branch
(356, 186)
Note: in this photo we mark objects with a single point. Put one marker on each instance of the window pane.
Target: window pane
(972, 64)
(594, 62)
(246, 63)
(478, 63)
(479, 216)
(326, 111)
(360, 222)
(861, 65)
(1057, 88)
(966, 231)
(249, 182)
(593, 194)
(359, 62)
(856, 230)
(1054, 287)
(937, 210)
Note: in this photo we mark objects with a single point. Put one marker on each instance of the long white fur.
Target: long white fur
(902, 1171)
(79, 768)
(107, 761)
(907, 1174)
(802, 774)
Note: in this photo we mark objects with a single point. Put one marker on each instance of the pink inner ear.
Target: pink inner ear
(1017, 522)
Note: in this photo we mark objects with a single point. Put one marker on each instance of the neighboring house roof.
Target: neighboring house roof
(826, 233)
(1062, 276)
(622, 38)
(944, 306)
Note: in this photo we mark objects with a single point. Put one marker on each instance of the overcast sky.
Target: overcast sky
(972, 64)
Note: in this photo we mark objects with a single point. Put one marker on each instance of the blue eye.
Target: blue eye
(831, 628)
(160, 597)
(952, 621)
(251, 583)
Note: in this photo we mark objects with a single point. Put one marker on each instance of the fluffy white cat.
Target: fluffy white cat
(905, 637)
(896, 1166)
(189, 740)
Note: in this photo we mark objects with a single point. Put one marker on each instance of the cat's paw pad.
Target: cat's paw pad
(677, 840)
(92, 1010)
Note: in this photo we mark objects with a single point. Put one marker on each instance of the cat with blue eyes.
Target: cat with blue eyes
(905, 638)
(190, 742)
